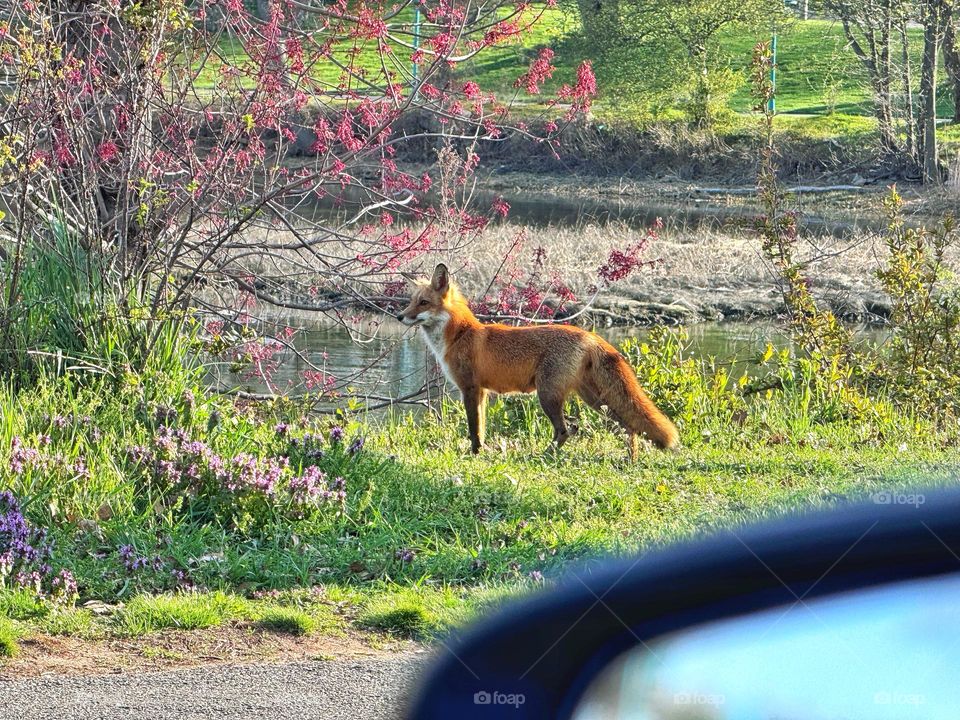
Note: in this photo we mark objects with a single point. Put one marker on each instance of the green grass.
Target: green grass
(21, 605)
(428, 536)
(9, 647)
(70, 621)
(823, 127)
(290, 620)
(193, 611)
(420, 612)
(817, 73)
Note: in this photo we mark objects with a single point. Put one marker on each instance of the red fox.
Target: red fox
(553, 360)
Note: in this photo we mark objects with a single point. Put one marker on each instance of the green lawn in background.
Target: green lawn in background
(817, 73)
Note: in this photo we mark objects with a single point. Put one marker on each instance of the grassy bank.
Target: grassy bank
(171, 510)
(818, 75)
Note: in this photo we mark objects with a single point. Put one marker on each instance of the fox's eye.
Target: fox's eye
(424, 302)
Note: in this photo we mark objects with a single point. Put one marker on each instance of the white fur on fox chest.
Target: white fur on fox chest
(434, 334)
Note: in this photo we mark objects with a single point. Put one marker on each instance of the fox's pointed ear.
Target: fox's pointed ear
(441, 279)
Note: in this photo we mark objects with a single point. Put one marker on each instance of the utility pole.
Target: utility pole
(773, 69)
(416, 44)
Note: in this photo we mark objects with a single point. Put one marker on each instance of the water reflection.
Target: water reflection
(394, 361)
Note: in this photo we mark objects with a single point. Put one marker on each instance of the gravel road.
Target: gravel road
(367, 689)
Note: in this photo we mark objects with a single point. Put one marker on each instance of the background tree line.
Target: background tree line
(665, 56)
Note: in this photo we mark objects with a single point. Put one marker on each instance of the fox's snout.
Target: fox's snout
(400, 317)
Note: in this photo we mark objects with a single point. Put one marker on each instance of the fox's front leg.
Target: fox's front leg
(475, 401)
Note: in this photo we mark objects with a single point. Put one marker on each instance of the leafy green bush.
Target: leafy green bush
(689, 390)
(921, 363)
(918, 369)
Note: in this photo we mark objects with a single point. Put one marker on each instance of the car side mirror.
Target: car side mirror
(857, 601)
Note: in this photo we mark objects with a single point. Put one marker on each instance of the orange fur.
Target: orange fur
(551, 360)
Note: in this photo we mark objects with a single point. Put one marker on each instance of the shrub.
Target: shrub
(687, 389)
(921, 363)
(918, 368)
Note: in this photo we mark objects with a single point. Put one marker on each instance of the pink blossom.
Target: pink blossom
(540, 70)
(294, 52)
(107, 151)
(584, 90)
(443, 43)
(472, 90)
(316, 379)
(345, 133)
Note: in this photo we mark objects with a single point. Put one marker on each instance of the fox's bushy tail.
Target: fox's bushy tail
(611, 378)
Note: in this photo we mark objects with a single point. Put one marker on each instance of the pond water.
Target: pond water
(690, 213)
(388, 360)
(385, 360)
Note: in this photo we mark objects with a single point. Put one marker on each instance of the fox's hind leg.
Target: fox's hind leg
(552, 403)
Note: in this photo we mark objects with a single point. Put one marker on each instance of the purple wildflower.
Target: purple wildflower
(249, 474)
(79, 468)
(127, 555)
(64, 586)
(167, 470)
(356, 446)
(405, 555)
(24, 549)
(307, 487)
(164, 415)
(21, 457)
(336, 434)
(138, 454)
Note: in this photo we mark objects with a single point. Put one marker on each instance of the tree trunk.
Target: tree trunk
(885, 82)
(932, 31)
(909, 115)
(951, 56)
(876, 60)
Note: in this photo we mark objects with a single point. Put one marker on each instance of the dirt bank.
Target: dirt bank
(699, 275)
(665, 151)
(709, 265)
